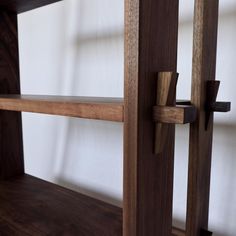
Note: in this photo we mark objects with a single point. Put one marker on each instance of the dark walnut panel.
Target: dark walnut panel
(11, 147)
(30, 206)
(20, 6)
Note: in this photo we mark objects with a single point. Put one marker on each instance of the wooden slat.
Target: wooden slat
(30, 206)
(175, 114)
(110, 109)
(20, 6)
(11, 146)
(204, 65)
(151, 29)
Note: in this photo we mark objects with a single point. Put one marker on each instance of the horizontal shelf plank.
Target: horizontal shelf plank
(20, 6)
(110, 109)
(30, 206)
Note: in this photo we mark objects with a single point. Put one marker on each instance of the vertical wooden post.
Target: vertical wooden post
(151, 29)
(11, 147)
(204, 66)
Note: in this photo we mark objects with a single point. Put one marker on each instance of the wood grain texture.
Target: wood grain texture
(165, 95)
(204, 66)
(110, 109)
(19, 6)
(30, 206)
(175, 114)
(151, 28)
(11, 147)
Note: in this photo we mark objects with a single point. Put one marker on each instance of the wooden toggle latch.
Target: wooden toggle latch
(166, 112)
(212, 88)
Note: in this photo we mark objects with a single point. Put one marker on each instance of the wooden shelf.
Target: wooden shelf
(110, 109)
(30, 206)
(20, 6)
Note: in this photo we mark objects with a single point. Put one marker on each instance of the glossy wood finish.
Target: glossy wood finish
(204, 65)
(174, 115)
(110, 109)
(11, 147)
(151, 28)
(20, 6)
(30, 206)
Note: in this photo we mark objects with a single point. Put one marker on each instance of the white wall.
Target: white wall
(75, 47)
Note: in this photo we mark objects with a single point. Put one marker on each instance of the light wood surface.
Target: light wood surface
(110, 109)
(200, 149)
(165, 95)
(174, 115)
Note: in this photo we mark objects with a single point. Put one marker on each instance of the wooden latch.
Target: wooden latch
(166, 112)
(212, 88)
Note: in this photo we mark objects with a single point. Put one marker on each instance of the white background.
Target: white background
(75, 47)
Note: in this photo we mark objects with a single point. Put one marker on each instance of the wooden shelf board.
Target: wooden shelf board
(30, 206)
(20, 6)
(110, 109)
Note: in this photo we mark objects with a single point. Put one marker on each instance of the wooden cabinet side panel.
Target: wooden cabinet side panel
(11, 147)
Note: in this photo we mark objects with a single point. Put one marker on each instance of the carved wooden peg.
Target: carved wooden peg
(166, 93)
(212, 88)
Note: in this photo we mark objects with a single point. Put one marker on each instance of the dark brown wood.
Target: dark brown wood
(11, 147)
(19, 6)
(30, 206)
(151, 29)
(219, 107)
(174, 115)
(212, 88)
(200, 150)
(110, 109)
(178, 232)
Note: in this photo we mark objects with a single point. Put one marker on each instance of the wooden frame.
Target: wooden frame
(151, 29)
(149, 111)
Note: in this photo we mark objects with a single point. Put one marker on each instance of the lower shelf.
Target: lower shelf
(30, 206)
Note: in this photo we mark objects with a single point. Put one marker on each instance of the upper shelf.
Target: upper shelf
(110, 109)
(20, 6)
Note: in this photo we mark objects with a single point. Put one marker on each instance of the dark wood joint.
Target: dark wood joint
(165, 96)
(212, 88)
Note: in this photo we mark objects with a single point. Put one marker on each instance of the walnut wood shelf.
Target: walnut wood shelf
(110, 109)
(31, 206)
(20, 6)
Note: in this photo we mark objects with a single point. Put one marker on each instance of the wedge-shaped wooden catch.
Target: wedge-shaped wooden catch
(212, 88)
(166, 92)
